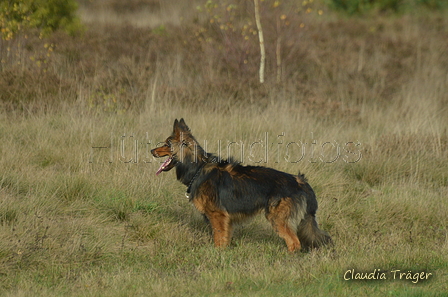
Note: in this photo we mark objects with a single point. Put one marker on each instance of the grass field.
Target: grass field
(361, 110)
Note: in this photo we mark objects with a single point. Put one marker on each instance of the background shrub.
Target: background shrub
(363, 6)
(45, 15)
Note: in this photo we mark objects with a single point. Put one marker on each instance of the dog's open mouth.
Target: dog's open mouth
(164, 165)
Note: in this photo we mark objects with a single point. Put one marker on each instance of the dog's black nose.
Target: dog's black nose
(154, 153)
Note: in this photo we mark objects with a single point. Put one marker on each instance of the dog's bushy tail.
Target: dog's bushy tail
(310, 235)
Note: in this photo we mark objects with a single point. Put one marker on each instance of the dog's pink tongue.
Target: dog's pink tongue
(164, 164)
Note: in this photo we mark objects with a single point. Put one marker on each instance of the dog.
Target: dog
(226, 192)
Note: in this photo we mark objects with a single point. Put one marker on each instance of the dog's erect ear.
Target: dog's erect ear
(182, 126)
(175, 126)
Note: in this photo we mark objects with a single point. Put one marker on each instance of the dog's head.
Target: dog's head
(176, 147)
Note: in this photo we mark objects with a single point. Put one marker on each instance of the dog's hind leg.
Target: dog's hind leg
(280, 218)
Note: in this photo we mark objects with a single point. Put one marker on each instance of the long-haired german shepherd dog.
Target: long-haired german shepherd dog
(226, 192)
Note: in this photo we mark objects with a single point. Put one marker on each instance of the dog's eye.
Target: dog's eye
(184, 143)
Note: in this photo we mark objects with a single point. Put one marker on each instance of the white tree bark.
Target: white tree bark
(261, 39)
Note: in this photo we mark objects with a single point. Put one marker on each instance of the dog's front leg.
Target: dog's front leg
(221, 226)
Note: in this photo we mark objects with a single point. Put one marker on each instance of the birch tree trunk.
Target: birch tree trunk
(261, 39)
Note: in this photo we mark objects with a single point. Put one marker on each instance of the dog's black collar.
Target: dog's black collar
(187, 194)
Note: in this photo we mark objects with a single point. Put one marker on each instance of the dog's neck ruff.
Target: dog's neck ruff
(187, 193)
